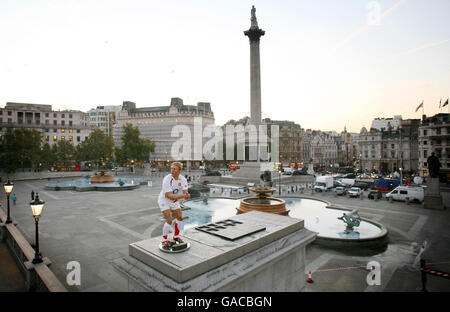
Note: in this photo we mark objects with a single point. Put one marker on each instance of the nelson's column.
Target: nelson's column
(251, 170)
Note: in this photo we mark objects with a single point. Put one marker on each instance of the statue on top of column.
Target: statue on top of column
(253, 19)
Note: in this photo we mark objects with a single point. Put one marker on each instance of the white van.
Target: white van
(404, 192)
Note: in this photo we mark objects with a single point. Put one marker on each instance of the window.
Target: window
(1, 112)
(54, 122)
(55, 138)
(63, 116)
(54, 115)
(404, 192)
(78, 139)
(70, 130)
(62, 123)
(54, 130)
(47, 122)
(46, 114)
(392, 145)
(425, 132)
(46, 138)
(70, 122)
(9, 120)
(63, 130)
(71, 138)
(425, 142)
(425, 154)
(70, 115)
(78, 130)
(63, 138)
(438, 131)
(9, 113)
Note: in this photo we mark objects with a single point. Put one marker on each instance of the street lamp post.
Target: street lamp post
(8, 189)
(279, 178)
(36, 208)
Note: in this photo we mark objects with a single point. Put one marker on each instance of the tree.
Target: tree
(134, 147)
(47, 158)
(97, 147)
(64, 152)
(20, 149)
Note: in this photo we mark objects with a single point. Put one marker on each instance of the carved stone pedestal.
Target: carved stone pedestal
(433, 197)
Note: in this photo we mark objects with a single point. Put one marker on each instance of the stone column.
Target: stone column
(254, 34)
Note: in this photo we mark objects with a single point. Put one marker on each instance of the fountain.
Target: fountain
(262, 201)
(101, 177)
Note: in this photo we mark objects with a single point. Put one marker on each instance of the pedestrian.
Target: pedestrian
(174, 187)
(14, 198)
(32, 195)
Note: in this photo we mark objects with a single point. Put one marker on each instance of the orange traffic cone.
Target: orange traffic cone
(309, 280)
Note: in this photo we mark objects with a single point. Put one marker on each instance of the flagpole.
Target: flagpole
(423, 108)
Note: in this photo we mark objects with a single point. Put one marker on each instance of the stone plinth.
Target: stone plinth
(268, 260)
(433, 197)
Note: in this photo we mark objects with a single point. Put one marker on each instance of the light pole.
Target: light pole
(8, 189)
(36, 208)
(280, 167)
(360, 162)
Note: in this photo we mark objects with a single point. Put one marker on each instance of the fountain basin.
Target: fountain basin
(85, 184)
(262, 202)
(319, 216)
(271, 205)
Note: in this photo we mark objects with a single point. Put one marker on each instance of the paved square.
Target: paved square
(94, 228)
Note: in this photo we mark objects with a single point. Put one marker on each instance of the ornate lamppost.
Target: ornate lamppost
(8, 189)
(36, 208)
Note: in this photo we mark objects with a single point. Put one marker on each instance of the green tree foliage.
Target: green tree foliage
(134, 147)
(47, 157)
(97, 147)
(20, 149)
(64, 152)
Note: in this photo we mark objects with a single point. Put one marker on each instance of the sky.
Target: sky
(325, 64)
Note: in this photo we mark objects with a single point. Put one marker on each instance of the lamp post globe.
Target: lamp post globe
(8, 186)
(36, 208)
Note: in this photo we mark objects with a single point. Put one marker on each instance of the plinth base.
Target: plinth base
(433, 202)
(269, 260)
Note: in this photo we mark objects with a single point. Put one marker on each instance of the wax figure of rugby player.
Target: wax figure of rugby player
(174, 188)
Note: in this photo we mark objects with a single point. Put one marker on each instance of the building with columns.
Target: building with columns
(434, 136)
(54, 126)
(390, 149)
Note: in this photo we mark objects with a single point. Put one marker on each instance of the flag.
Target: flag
(440, 103)
(446, 103)
(421, 105)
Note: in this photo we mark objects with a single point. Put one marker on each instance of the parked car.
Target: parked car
(340, 190)
(375, 194)
(407, 192)
(354, 192)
